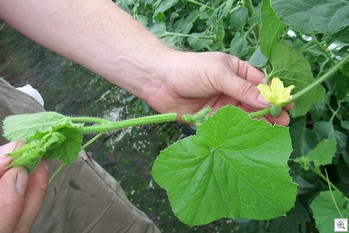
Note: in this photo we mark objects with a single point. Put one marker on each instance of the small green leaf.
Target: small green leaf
(161, 6)
(30, 154)
(323, 153)
(68, 150)
(239, 46)
(20, 127)
(313, 16)
(197, 42)
(258, 59)
(325, 129)
(235, 167)
(239, 18)
(325, 211)
(226, 9)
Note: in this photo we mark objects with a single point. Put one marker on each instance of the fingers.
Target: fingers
(282, 119)
(6, 160)
(13, 183)
(34, 197)
(246, 71)
(12, 188)
(21, 196)
(244, 92)
(241, 83)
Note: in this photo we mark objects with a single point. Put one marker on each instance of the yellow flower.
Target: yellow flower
(276, 93)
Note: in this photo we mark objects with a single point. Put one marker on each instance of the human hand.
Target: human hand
(194, 80)
(21, 195)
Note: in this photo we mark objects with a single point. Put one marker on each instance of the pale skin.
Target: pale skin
(100, 36)
(21, 195)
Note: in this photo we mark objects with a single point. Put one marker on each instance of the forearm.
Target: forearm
(94, 33)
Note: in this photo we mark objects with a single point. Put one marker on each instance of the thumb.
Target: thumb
(12, 189)
(245, 92)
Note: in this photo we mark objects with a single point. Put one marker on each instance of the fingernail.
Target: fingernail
(45, 164)
(262, 100)
(21, 181)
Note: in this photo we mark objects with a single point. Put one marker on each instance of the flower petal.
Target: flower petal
(276, 93)
(277, 86)
(265, 91)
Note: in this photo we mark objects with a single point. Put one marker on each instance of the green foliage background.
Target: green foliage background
(313, 32)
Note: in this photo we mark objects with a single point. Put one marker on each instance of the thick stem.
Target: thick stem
(89, 120)
(248, 4)
(260, 113)
(128, 123)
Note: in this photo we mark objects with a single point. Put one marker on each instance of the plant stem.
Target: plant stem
(325, 76)
(259, 113)
(92, 140)
(324, 49)
(89, 120)
(200, 4)
(324, 178)
(128, 123)
(248, 4)
(56, 172)
(187, 35)
(333, 199)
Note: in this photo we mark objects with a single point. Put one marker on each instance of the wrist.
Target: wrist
(142, 71)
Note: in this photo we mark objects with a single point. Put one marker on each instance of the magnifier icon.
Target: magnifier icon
(340, 224)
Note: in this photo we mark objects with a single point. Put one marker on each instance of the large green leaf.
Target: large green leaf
(271, 28)
(234, 167)
(47, 134)
(26, 125)
(313, 16)
(288, 64)
(325, 210)
(293, 68)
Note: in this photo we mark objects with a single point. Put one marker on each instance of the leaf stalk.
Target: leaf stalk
(128, 123)
(323, 78)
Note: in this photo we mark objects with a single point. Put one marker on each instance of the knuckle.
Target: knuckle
(247, 89)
